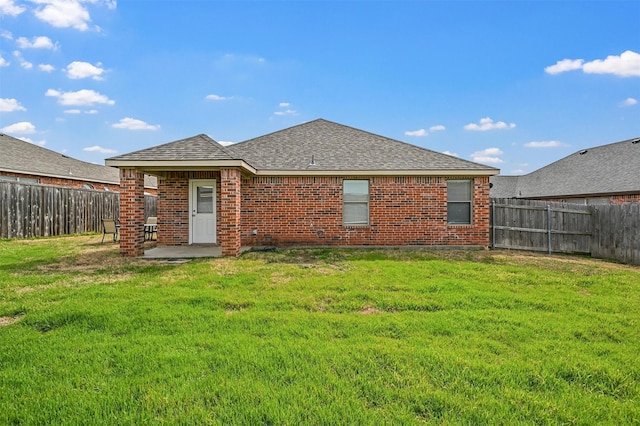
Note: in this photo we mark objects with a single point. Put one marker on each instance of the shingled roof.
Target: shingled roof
(319, 146)
(324, 145)
(22, 157)
(601, 170)
(200, 147)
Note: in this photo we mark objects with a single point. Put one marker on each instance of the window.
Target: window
(355, 198)
(204, 202)
(459, 201)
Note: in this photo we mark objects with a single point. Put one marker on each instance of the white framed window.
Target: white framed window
(459, 201)
(355, 200)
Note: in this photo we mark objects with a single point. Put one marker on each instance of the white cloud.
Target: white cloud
(544, 144)
(91, 111)
(213, 97)
(3, 62)
(23, 63)
(6, 34)
(629, 102)
(63, 13)
(81, 97)
(77, 70)
(134, 124)
(517, 172)
(453, 154)
(488, 156)
(225, 143)
(488, 124)
(72, 111)
(101, 150)
(9, 105)
(564, 65)
(627, 64)
(419, 132)
(46, 67)
(41, 42)
(286, 112)
(437, 128)
(22, 127)
(8, 7)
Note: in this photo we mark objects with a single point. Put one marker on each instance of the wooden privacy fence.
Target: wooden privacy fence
(34, 210)
(616, 232)
(603, 231)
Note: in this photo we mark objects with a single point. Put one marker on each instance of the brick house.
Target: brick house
(25, 162)
(605, 174)
(315, 184)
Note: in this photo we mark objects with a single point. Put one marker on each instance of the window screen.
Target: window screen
(459, 201)
(355, 197)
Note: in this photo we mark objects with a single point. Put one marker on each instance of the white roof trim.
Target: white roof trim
(435, 172)
(68, 177)
(178, 164)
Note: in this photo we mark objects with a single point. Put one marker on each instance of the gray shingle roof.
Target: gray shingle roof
(199, 147)
(23, 157)
(337, 147)
(605, 169)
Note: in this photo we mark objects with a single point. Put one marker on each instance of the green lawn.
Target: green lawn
(315, 337)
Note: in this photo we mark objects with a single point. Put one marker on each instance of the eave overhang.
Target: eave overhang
(151, 166)
(178, 165)
(441, 172)
(57, 176)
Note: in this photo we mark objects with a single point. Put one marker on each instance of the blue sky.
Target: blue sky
(515, 85)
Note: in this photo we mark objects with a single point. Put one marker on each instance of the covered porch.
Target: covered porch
(199, 196)
(198, 212)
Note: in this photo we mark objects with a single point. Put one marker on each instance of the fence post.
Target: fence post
(549, 228)
(493, 224)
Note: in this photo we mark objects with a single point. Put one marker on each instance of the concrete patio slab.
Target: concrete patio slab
(183, 252)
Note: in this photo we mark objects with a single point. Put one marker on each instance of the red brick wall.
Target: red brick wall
(71, 183)
(308, 211)
(403, 211)
(131, 212)
(173, 206)
(625, 199)
(612, 199)
(230, 211)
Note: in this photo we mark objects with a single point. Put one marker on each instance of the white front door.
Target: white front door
(202, 206)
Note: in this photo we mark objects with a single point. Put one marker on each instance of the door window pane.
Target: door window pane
(205, 199)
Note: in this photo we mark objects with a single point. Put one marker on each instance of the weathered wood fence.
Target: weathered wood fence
(34, 210)
(602, 231)
(616, 233)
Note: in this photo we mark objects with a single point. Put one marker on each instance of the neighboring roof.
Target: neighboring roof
(316, 147)
(22, 157)
(601, 170)
(504, 186)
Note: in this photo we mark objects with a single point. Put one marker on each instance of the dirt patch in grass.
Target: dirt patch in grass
(369, 310)
(6, 321)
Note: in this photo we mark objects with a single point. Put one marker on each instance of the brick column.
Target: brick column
(131, 212)
(230, 202)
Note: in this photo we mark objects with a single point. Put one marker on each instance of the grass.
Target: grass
(315, 337)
